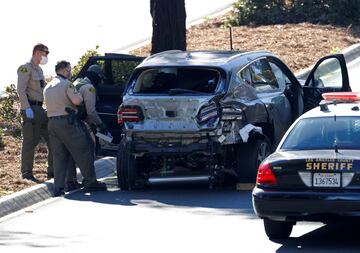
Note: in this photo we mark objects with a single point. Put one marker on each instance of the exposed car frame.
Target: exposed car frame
(263, 118)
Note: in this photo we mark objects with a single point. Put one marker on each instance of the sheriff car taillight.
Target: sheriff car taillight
(130, 114)
(265, 175)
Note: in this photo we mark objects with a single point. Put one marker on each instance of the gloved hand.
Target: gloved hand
(29, 113)
(108, 134)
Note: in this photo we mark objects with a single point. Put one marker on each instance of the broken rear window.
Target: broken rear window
(174, 81)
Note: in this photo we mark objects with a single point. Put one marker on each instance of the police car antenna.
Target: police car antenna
(336, 146)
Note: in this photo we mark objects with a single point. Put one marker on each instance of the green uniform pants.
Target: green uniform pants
(66, 141)
(32, 131)
(71, 167)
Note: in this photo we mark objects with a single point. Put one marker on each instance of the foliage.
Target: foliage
(122, 71)
(335, 50)
(9, 107)
(259, 12)
(83, 59)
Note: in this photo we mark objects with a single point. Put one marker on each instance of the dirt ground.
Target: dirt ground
(10, 176)
(300, 46)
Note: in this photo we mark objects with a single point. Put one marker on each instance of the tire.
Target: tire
(248, 158)
(278, 230)
(125, 167)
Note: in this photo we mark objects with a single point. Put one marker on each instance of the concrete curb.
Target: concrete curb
(351, 53)
(104, 167)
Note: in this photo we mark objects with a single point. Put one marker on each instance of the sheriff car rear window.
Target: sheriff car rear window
(324, 133)
(173, 81)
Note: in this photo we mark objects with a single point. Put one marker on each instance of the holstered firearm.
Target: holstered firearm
(72, 115)
(81, 114)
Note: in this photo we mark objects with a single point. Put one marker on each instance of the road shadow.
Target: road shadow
(228, 201)
(336, 237)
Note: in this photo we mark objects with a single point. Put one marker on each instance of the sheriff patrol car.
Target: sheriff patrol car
(314, 174)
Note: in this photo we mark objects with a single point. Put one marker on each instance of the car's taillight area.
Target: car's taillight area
(207, 113)
(231, 113)
(130, 114)
(265, 175)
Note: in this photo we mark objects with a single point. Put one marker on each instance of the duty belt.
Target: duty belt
(31, 102)
(59, 117)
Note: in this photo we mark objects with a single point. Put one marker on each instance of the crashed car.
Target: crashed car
(207, 115)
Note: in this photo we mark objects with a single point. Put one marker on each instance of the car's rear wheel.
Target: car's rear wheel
(248, 158)
(278, 229)
(126, 167)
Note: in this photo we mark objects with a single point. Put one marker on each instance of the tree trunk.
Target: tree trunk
(169, 25)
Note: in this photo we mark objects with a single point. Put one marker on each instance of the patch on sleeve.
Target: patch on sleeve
(92, 89)
(24, 69)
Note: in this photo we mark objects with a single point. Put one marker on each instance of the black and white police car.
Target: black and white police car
(314, 174)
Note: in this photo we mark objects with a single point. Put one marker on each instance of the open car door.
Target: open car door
(116, 70)
(329, 74)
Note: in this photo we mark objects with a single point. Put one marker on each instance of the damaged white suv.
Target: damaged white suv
(204, 115)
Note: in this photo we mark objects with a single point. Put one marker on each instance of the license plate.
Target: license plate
(326, 180)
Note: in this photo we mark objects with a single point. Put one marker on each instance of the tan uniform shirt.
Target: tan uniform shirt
(30, 84)
(58, 94)
(88, 92)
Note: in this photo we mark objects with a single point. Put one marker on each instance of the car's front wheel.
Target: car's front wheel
(278, 229)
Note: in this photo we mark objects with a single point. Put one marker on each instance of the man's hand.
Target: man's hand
(29, 113)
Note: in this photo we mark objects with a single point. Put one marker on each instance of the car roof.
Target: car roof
(334, 109)
(209, 58)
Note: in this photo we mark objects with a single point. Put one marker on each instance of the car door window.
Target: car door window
(327, 75)
(245, 76)
(263, 78)
(280, 76)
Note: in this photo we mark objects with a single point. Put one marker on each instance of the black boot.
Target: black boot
(95, 186)
(31, 178)
(70, 186)
(58, 192)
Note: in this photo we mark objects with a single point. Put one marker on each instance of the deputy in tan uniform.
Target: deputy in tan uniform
(87, 88)
(30, 85)
(67, 134)
(87, 112)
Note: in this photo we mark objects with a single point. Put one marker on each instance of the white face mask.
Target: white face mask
(43, 60)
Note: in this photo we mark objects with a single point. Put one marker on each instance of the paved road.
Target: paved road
(182, 219)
